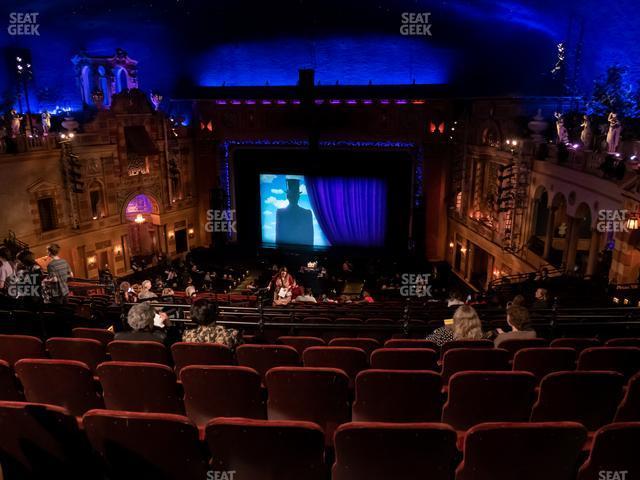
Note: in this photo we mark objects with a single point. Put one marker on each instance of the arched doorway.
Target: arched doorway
(141, 213)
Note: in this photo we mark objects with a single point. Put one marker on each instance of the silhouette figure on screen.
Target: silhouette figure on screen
(294, 224)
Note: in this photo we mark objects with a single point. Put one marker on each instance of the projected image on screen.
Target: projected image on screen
(322, 211)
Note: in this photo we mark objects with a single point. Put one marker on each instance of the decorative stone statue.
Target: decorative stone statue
(156, 99)
(563, 136)
(46, 122)
(586, 136)
(613, 135)
(15, 120)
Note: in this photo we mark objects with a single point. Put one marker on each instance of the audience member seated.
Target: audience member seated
(466, 326)
(126, 293)
(306, 298)
(146, 292)
(205, 314)
(541, 301)
(143, 327)
(455, 299)
(518, 320)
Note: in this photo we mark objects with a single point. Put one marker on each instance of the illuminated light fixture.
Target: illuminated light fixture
(633, 157)
(616, 300)
(463, 249)
(632, 223)
(367, 102)
(385, 102)
(450, 244)
(266, 102)
(95, 217)
(514, 142)
(92, 260)
(295, 102)
(221, 102)
(319, 101)
(281, 102)
(171, 235)
(617, 155)
(401, 102)
(139, 219)
(418, 102)
(117, 250)
(625, 301)
(236, 102)
(71, 135)
(191, 232)
(351, 102)
(335, 102)
(508, 142)
(250, 102)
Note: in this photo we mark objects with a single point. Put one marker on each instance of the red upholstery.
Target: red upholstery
(319, 395)
(185, 354)
(404, 359)
(397, 396)
(625, 360)
(542, 361)
(16, 347)
(65, 383)
(129, 351)
(88, 351)
(522, 451)
(479, 397)
(515, 344)
(629, 408)
(623, 342)
(462, 359)
(350, 360)
(8, 383)
(464, 344)
(614, 449)
(590, 398)
(411, 343)
(267, 450)
(366, 344)
(221, 391)
(100, 334)
(43, 441)
(383, 451)
(578, 344)
(264, 357)
(146, 445)
(301, 343)
(139, 387)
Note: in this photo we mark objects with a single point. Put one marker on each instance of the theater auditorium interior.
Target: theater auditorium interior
(319, 240)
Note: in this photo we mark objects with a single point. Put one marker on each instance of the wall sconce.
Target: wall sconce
(117, 250)
(463, 249)
(92, 260)
(632, 223)
(451, 245)
(191, 232)
(171, 235)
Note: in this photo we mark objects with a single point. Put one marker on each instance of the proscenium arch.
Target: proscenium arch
(155, 205)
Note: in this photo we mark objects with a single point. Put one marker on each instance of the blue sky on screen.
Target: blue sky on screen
(273, 195)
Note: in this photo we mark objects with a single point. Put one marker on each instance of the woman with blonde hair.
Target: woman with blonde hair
(466, 326)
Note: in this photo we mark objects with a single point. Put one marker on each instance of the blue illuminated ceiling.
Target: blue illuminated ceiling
(481, 46)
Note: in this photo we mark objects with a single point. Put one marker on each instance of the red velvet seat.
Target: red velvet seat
(479, 397)
(578, 344)
(366, 344)
(139, 387)
(88, 351)
(185, 354)
(383, 451)
(397, 396)
(411, 343)
(146, 445)
(319, 395)
(622, 342)
(65, 383)
(102, 335)
(43, 441)
(264, 357)
(464, 344)
(221, 391)
(267, 449)
(522, 451)
(17, 347)
(147, 352)
(515, 344)
(8, 383)
(301, 343)
(629, 408)
(462, 359)
(350, 360)
(614, 449)
(542, 361)
(590, 398)
(404, 359)
(625, 360)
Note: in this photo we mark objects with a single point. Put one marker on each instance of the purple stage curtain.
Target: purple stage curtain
(350, 211)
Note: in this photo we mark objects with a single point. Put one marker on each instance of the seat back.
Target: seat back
(461, 359)
(623, 342)
(350, 360)
(479, 397)
(464, 344)
(221, 391)
(132, 351)
(102, 335)
(8, 383)
(614, 449)
(65, 383)
(376, 451)
(267, 447)
(590, 398)
(17, 347)
(185, 354)
(404, 359)
(523, 451)
(88, 351)
(43, 441)
(319, 395)
(146, 445)
(301, 343)
(513, 345)
(629, 408)
(578, 344)
(625, 360)
(545, 360)
(139, 387)
(397, 396)
(411, 343)
(366, 344)
(264, 357)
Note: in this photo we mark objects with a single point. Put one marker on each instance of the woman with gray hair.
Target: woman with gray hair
(141, 320)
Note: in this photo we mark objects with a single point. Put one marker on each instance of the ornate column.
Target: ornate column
(548, 238)
(594, 246)
(572, 244)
